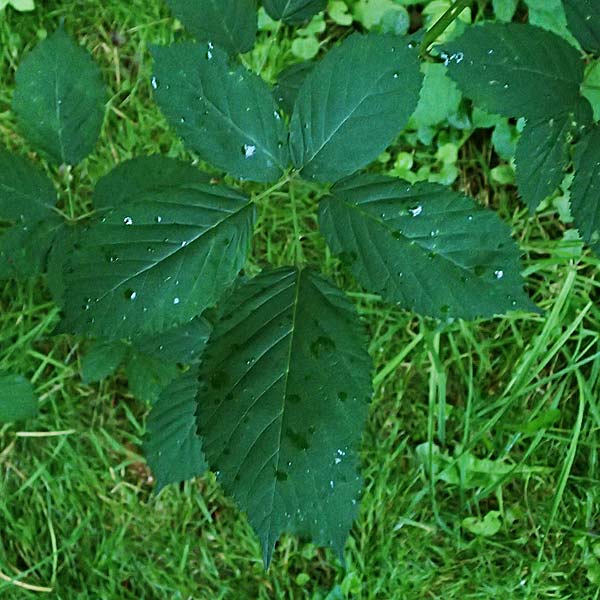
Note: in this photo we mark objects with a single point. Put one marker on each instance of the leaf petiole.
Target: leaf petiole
(442, 24)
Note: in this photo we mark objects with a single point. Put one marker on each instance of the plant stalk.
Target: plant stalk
(442, 24)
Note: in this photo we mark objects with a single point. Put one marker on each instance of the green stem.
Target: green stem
(273, 188)
(298, 251)
(443, 23)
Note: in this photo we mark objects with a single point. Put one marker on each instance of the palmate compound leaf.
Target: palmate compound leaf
(585, 190)
(151, 362)
(230, 24)
(172, 446)
(59, 99)
(583, 17)
(294, 11)
(221, 111)
(27, 199)
(156, 261)
(285, 387)
(542, 155)
(424, 247)
(516, 70)
(353, 104)
(17, 398)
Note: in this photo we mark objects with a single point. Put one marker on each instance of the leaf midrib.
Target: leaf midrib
(178, 248)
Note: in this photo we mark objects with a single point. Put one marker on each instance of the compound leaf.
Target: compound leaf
(171, 446)
(17, 399)
(516, 70)
(425, 247)
(157, 261)
(59, 99)
(353, 104)
(584, 22)
(285, 387)
(585, 190)
(230, 24)
(294, 11)
(542, 157)
(133, 178)
(221, 110)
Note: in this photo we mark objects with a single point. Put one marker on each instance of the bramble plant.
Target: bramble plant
(266, 380)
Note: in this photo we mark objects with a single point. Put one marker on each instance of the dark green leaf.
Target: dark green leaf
(285, 387)
(353, 104)
(542, 158)
(515, 69)
(425, 247)
(183, 344)
(148, 376)
(230, 24)
(26, 193)
(64, 243)
(172, 448)
(583, 17)
(59, 99)
(221, 110)
(157, 261)
(17, 399)
(134, 178)
(27, 199)
(294, 11)
(155, 359)
(585, 191)
(289, 82)
(102, 360)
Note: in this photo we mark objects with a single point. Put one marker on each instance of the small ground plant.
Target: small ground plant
(264, 377)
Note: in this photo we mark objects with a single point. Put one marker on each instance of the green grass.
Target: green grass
(77, 510)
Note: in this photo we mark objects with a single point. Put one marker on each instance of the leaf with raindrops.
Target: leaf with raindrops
(285, 387)
(515, 69)
(156, 261)
(424, 247)
(59, 99)
(353, 104)
(230, 24)
(584, 22)
(222, 111)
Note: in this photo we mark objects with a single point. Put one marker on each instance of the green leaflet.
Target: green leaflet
(439, 97)
(102, 360)
(222, 111)
(353, 104)
(151, 361)
(289, 82)
(230, 24)
(171, 446)
(505, 9)
(157, 261)
(285, 387)
(585, 190)
(425, 247)
(134, 178)
(27, 199)
(17, 399)
(294, 11)
(584, 22)
(59, 99)
(542, 157)
(505, 69)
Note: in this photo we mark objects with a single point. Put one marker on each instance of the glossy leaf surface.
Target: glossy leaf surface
(285, 387)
